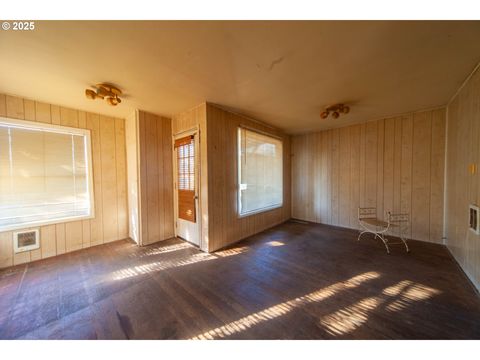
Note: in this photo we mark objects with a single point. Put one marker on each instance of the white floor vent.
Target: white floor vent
(26, 240)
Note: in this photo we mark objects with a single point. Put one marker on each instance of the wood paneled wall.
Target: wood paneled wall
(196, 118)
(155, 177)
(220, 223)
(462, 187)
(393, 164)
(133, 170)
(225, 227)
(109, 177)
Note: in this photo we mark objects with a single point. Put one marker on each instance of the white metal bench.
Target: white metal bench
(367, 218)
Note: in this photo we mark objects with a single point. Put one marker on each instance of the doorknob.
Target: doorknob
(195, 197)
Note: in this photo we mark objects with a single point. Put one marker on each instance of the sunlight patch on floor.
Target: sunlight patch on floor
(284, 308)
(413, 293)
(341, 322)
(169, 263)
(397, 288)
(350, 318)
(165, 249)
(275, 243)
(403, 294)
(160, 265)
(230, 252)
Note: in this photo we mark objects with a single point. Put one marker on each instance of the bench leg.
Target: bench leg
(406, 245)
(385, 242)
(363, 232)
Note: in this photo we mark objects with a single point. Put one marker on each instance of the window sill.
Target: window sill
(45, 223)
(259, 211)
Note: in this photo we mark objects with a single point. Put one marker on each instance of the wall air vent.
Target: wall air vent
(474, 219)
(26, 240)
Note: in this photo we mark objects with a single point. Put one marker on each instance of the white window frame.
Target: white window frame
(239, 180)
(38, 126)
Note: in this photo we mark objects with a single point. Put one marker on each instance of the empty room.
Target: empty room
(239, 180)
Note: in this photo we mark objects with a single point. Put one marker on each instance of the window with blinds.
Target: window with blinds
(45, 174)
(260, 172)
(186, 161)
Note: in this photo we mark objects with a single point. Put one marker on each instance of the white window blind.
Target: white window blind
(260, 172)
(45, 174)
(186, 170)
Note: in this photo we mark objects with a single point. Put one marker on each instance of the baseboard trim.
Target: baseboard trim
(465, 273)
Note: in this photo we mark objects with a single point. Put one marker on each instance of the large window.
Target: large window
(45, 174)
(260, 172)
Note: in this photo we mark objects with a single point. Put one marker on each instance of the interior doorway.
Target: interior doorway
(186, 157)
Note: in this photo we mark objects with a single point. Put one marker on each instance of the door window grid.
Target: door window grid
(186, 170)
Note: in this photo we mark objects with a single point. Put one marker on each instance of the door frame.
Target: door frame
(196, 133)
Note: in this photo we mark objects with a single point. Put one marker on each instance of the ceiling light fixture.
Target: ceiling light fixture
(106, 92)
(336, 110)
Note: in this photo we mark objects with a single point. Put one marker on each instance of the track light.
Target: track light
(105, 91)
(336, 110)
(114, 101)
(90, 94)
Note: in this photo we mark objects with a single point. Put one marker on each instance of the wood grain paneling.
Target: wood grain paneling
(109, 176)
(225, 226)
(387, 164)
(196, 119)
(48, 244)
(6, 249)
(133, 175)
(220, 224)
(421, 173)
(189, 119)
(73, 236)
(166, 183)
(96, 224)
(462, 187)
(109, 179)
(155, 177)
(121, 180)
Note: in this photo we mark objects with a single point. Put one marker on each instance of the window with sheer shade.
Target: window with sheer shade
(45, 174)
(260, 172)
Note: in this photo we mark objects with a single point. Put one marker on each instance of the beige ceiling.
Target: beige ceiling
(280, 72)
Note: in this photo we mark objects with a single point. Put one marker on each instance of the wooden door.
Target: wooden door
(185, 150)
